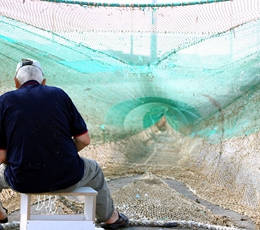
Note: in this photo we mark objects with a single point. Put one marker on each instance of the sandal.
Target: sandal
(6, 219)
(121, 222)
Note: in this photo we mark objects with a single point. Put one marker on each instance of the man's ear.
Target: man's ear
(44, 81)
(17, 83)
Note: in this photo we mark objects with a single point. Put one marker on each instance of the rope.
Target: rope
(178, 223)
(85, 3)
(147, 223)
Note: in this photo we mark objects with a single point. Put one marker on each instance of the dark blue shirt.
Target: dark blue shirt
(37, 124)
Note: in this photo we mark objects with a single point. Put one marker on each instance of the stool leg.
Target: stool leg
(25, 210)
(90, 208)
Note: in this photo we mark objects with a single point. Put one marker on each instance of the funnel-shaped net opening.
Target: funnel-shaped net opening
(163, 87)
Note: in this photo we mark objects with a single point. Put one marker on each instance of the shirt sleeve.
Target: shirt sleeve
(3, 143)
(78, 125)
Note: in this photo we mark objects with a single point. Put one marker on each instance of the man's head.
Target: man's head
(28, 69)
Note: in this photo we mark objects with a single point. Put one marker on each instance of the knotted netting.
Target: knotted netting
(171, 88)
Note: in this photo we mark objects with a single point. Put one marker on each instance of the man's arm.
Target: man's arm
(3, 156)
(81, 141)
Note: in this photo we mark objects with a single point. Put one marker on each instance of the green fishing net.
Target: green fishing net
(194, 65)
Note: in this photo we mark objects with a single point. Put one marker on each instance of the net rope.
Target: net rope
(169, 88)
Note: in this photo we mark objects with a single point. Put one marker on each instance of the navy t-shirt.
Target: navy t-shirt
(37, 124)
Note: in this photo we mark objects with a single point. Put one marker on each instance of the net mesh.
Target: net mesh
(168, 88)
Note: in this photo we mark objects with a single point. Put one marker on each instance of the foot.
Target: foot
(113, 218)
(121, 221)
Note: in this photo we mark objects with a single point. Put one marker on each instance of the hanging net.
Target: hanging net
(169, 88)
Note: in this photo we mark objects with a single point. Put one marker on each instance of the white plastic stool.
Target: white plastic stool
(60, 221)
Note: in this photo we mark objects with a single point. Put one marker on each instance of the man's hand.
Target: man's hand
(81, 141)
(3, 156)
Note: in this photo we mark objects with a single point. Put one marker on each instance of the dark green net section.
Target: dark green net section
(203, 77)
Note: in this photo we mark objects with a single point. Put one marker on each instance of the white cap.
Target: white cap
(26, 62)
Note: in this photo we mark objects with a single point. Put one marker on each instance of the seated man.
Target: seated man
(41, 133)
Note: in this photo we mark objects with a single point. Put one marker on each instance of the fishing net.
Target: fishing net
(169, 88)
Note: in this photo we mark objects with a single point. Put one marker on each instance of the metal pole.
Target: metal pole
(132, 38)
(153, 48)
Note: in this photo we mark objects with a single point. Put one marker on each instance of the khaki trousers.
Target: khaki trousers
(93, 177)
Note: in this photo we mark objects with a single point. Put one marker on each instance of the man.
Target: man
(41, 133)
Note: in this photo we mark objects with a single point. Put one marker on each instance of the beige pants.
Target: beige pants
(94, 178)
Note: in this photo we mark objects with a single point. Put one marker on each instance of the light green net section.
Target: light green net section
(126, 67)
(193, 67)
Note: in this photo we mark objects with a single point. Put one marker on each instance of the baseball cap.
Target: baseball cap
(26, 62)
